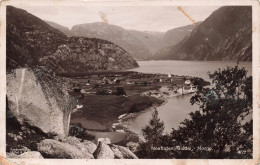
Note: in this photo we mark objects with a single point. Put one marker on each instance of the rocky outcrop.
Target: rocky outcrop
(26, 155)
(32, 42)
(36, 97)
(225, 35)
(87, 147)
(55, 149)
(103, 151)
(70, 147)
(127, 154)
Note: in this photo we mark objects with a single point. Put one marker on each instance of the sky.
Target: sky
(143, 18)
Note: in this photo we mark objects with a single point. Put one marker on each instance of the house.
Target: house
(129, 83)
(118, 128)
(79, 106)
(187, 82)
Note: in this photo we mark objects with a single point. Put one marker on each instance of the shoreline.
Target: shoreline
(129, 117)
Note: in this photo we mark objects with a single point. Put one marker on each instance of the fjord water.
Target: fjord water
(177, 108)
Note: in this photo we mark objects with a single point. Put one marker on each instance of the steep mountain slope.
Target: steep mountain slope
(30, 39)
(115, 34)
(174, 36)
(152, 40)
(65, 30)
(225, 35)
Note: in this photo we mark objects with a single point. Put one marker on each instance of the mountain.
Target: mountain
(225, 35)
(174, 36)
(65, 30)
(152, 40)
(31, 41)
(115, 34)
(81, 54)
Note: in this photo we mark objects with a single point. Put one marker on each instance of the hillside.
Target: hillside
(152, 40)
(174, 36)
(81, 54)
(28, 38)
(31, 41)
(65, 30)
(115, 34)
(225, 35)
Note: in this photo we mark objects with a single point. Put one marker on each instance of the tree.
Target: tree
(120, 91)
(217, 125)
(154, 138)
(218, 129)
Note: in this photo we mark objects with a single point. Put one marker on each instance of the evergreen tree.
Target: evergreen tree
(153, 135)
(220, 128)
(219, 123)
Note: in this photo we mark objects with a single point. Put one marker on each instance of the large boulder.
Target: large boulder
(55, 149)
(103, 151)
(35, 96)
(117, 153)
(87, 147)
(127, 154)
(104, 140)
(90, 146)
(26, 155)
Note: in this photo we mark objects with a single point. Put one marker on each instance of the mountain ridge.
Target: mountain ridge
(32, 42)
(226, 35)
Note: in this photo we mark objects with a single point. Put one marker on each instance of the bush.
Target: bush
(80, 132)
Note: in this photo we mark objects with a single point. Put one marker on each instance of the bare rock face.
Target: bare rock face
(36, 97)
(55, 149)
(103, 151)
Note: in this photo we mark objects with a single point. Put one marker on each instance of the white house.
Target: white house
(187, 82)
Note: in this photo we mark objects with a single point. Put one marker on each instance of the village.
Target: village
(115, 94)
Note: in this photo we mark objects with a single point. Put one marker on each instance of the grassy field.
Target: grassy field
(105, 109)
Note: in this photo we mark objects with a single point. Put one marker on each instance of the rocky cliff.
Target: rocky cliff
(36, 97)
(115, 34)
(30, 39)
(225, 35)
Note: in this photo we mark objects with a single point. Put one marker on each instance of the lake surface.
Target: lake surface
(177, 108)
